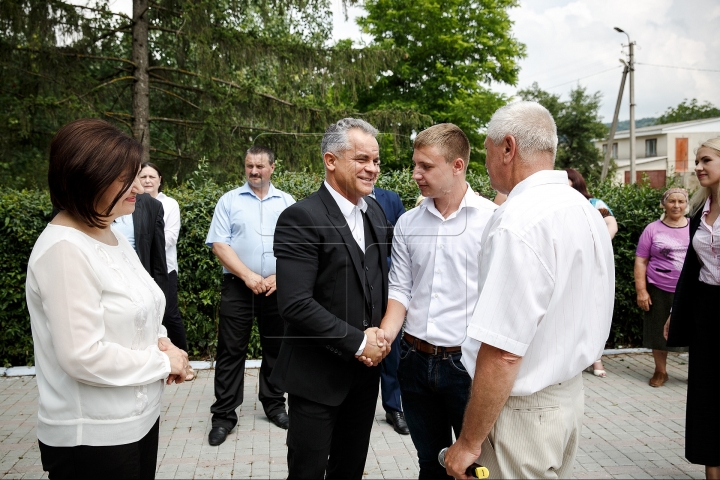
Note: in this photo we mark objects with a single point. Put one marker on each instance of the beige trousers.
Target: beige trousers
(537, 436)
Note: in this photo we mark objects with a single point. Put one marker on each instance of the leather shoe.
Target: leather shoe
(217, 435)
(397, 420)
(281, 420)
(658, 379)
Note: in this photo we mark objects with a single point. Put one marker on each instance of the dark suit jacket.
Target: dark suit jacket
(391, 204)
(149, 228)
(681, 321)
(321, 296)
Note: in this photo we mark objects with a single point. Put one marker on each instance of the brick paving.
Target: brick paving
(630, 431)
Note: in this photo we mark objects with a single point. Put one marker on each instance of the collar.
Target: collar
(706, 208)
(346, 206)
(245, 189)
(469, 200)
(543, 177)
(160, 196)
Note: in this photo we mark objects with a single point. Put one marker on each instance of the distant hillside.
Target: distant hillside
(625, 124)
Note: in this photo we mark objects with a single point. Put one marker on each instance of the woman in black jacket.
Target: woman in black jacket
(695, 317)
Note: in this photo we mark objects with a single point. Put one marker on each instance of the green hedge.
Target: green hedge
(23, 215)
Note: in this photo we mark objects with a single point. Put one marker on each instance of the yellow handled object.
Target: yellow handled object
(475, 470)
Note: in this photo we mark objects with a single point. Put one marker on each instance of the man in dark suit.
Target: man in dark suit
(145, 230)
(389, 384)
(331, 251)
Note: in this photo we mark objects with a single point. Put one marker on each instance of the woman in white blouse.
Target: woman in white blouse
(695, 318)
(101, 353)
(151, 180)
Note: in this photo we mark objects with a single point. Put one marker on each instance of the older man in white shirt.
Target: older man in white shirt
(547, 283)
(433, 280)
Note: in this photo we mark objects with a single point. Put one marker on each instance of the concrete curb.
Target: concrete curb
(201, 365)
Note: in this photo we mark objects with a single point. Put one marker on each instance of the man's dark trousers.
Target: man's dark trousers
(435, 391)
(238, 307)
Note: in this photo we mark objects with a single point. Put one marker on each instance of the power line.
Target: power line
(583, 78)
(679, 68)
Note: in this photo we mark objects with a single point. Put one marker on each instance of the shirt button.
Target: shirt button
(371, 287)
(435, 295)
(367, 268)
(437, 271)
(441, 246)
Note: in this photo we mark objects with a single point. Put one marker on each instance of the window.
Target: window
(614, 150)
(651, 147)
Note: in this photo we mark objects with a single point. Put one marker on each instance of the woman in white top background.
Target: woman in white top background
(101, 352)
(152, 181)
(695, 316)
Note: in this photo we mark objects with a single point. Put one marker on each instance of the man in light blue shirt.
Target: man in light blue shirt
(241, 236)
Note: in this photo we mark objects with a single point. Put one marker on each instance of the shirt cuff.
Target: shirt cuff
(498, 341)
(362, 345)
(399, 297)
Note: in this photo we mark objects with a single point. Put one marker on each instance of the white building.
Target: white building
(662, 151)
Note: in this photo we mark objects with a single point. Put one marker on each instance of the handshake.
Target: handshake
(376, 348)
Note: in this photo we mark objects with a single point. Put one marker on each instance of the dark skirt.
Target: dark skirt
(654, 320)
(702, 417)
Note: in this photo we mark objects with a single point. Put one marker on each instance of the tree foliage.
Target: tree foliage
(578, 124)
(452, 51)
(688, 110)
(223, 75)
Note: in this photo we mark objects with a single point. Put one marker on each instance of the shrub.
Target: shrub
(23, 215)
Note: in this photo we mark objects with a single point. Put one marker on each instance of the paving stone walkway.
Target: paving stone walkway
(630, 431)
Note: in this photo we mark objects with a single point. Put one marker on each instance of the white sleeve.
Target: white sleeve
(71, 295)
(172, 223)
(515, 291)
(400, 277)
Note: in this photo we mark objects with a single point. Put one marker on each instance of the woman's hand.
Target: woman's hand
(643, 300)
(666, 329)
(178, 361)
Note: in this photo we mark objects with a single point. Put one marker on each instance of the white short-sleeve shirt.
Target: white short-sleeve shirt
(546, 283)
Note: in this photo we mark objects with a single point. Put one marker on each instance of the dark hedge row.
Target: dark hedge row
(23, 215)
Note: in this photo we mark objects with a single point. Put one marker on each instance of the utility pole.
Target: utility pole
(631, 67)
(613, 128)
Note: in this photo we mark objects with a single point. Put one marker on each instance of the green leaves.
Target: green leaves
(685, 111)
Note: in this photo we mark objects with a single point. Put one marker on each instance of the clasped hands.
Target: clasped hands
(259, 285)
(179, 364)
(376, 348)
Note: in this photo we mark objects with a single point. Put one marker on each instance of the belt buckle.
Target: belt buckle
(435, 349)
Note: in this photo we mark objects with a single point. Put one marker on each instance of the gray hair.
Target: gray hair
(336, 139)
(529, 123)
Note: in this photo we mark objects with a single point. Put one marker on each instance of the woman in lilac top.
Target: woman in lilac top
(659, 258)
(695, 319)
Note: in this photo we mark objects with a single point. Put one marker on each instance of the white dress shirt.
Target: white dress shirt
(353, 217)
(171, 217)
(434, 267)
(547, 283)
(96, 318)
(706, 243)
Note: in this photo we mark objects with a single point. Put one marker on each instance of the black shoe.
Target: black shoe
(281, 420)
(397, 420)
(217, 435)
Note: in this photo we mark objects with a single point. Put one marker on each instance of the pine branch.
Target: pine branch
(176, 121)
(173, 12)
(175, 95)
(168, 152)
(163, 29)
(79, 55)
(119, 79)
(111, 32)
(119, 14)
(115, 116)
(233, 85)
(156, 79)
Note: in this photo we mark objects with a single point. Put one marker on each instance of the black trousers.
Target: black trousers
(133, 460)
(238, 307)
(334, 439)
(172, 319)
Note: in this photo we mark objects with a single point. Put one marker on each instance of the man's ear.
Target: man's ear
(458, 166)
(329, 160)
(510, 149)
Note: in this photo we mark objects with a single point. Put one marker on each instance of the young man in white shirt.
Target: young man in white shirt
(547, 283)
(433, 280)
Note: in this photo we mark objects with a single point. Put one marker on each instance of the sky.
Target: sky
(571, 42)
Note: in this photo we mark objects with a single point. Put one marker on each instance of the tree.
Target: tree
(452, 50)
(685, 111)
(578, 124)
(189, 78)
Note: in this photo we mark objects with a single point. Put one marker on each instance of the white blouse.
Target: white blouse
(171, 218)
(706, 243)
(96, 318)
